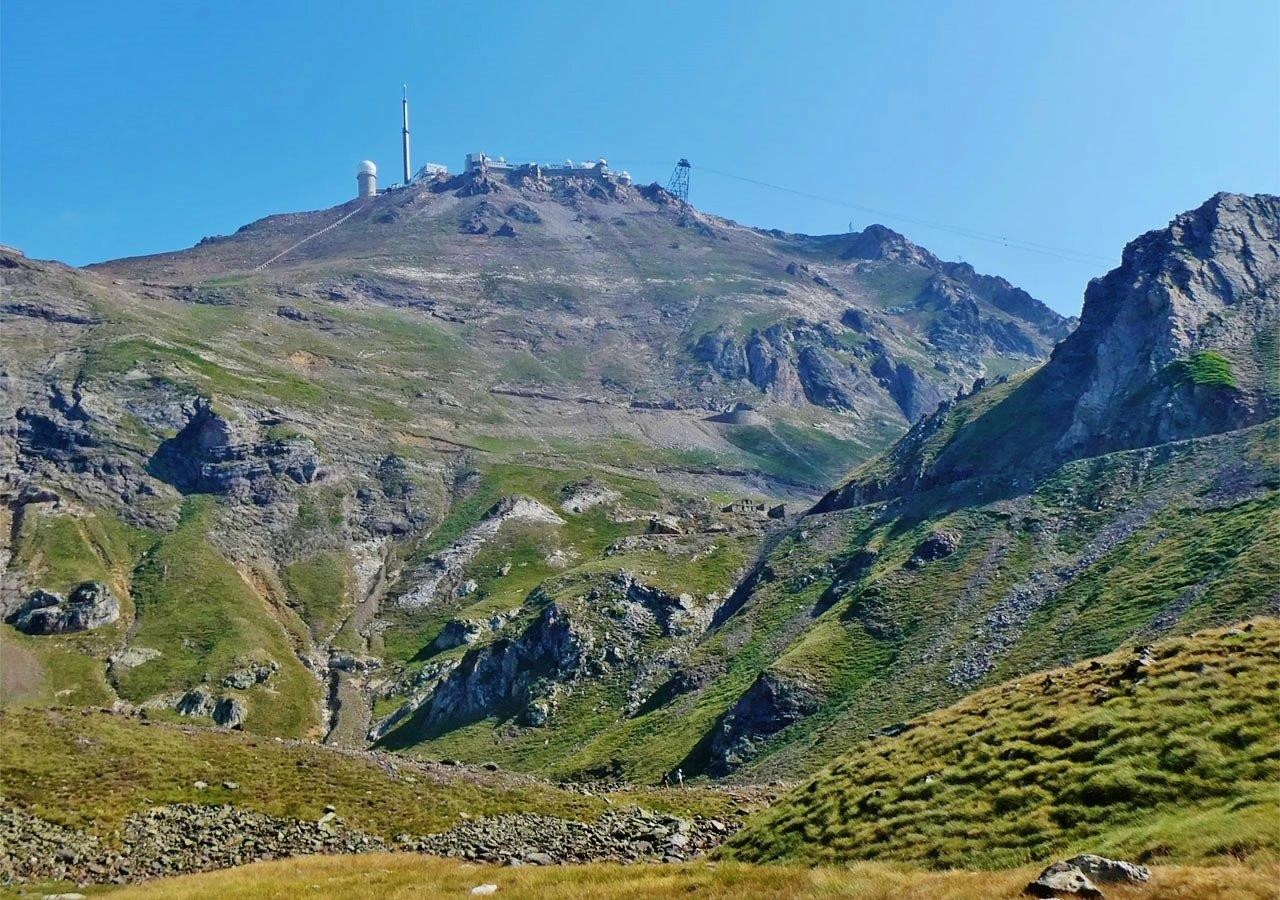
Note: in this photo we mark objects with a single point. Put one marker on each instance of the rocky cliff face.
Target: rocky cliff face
(213, 455)
(769, 706)
(1209, 283)
(512, 676)
(1179, 341)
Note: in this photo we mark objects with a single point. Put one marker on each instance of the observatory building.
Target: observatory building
(366, 179)
(367, 172)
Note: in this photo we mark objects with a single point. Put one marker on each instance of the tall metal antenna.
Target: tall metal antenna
(404, 105)
(679, 183)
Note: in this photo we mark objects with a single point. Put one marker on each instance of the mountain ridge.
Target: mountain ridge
(343, 438)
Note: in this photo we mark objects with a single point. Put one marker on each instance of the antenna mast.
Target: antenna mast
(404, 105)
(679, 183)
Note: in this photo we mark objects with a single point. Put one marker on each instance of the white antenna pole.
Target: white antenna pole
(405, 109)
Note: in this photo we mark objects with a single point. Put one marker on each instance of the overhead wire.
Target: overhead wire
(1062, 253)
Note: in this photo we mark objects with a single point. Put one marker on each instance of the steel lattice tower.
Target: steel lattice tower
(679, 183)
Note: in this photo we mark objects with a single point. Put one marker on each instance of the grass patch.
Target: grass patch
(92, 770)
(59, 552)
(1207, 368)
(404, 875)
(797, 453)
(206, 620)
(320, 585)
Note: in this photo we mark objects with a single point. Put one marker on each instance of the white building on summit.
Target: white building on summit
(599, 167)
(366, 179)
(367, 172)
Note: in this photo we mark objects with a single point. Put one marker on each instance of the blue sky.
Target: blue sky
(134, 127)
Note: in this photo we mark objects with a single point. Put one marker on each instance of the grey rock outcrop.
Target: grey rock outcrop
(230, 713)
(791, 362)
(211, 454)
(89, 605)
(499, 678)
(243, 679)
(1061, 878)
(460, 632)
(915, 395)
(773, 702)
(196, 703)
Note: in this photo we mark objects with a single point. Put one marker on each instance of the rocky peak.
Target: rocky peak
(1200, 294)
(1177, 342)
(878, 242)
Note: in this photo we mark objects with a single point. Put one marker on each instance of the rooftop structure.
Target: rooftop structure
(597, 168)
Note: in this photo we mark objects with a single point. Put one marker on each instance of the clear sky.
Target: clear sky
(132, 127)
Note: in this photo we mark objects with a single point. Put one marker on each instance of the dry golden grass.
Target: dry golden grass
(408, 876)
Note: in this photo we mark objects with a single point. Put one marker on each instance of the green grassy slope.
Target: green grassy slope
(58, 551)
(591, 728)
(1126, 547)
(206, 620)
(91, 769)
(1177, 760)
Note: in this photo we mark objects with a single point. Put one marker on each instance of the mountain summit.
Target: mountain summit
(585, 287)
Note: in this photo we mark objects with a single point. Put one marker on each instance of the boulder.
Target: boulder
(663, 524)
(455, 633)
(230, 713)
(90, 605)
(243, 679)
(195, 703)
(1062, 878)
(1110, 871)
(938, 545)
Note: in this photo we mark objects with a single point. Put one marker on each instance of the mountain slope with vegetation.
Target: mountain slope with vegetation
(1157, 753)
(381, 489)
(881, 604)
(320, 461)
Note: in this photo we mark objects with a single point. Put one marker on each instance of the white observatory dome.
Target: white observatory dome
(366, 167)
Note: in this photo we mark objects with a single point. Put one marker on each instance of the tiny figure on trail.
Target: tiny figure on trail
(680, 777)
